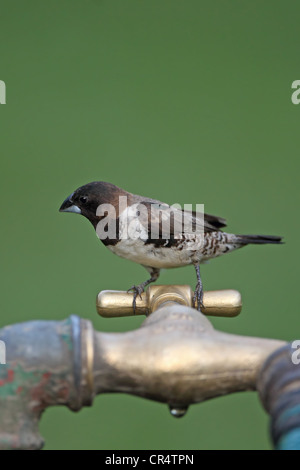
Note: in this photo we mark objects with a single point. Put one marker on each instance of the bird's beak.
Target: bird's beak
(68, 206)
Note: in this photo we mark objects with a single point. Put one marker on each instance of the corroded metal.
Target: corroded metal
(279, 390)
(47, 364)
(222, 303)
(175, 357)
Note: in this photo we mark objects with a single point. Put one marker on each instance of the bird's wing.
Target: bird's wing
(164, 222)
(213, 223)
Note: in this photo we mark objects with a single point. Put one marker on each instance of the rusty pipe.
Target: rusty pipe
(47, 363)
(175, 357)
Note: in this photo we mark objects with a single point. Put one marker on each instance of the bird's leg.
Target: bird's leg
(198, 294)
(138, 290)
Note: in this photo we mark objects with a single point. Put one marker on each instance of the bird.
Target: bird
(154, 234)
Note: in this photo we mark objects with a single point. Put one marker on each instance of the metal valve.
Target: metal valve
(113, 303)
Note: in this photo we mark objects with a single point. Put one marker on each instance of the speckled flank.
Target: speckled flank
(174, 253)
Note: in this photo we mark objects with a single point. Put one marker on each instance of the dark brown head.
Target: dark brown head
(86, 199)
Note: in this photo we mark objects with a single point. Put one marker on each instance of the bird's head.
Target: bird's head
(86, 199)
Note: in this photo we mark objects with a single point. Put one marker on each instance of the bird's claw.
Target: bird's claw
(198, 296)
(137, 291)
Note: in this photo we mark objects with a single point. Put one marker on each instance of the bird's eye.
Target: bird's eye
(83, 199)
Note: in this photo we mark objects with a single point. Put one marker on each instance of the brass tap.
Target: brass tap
(221, 303)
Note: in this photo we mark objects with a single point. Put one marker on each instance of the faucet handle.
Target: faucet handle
(221, 303)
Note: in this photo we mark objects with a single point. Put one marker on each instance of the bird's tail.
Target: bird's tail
(258, 239)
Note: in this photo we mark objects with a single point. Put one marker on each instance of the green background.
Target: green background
(183, 101)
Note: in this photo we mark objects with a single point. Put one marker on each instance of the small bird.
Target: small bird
(155, 234)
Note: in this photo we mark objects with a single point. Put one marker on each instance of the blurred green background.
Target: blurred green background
(186, 102)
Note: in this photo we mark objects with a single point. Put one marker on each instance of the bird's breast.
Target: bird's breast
(149, 254)
(134, 242)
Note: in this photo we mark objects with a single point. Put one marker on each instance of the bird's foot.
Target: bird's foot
(198, 296)
(137, 291)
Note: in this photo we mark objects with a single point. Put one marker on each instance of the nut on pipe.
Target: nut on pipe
(223, 303)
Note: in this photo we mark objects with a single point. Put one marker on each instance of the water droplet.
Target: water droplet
(178, 411)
